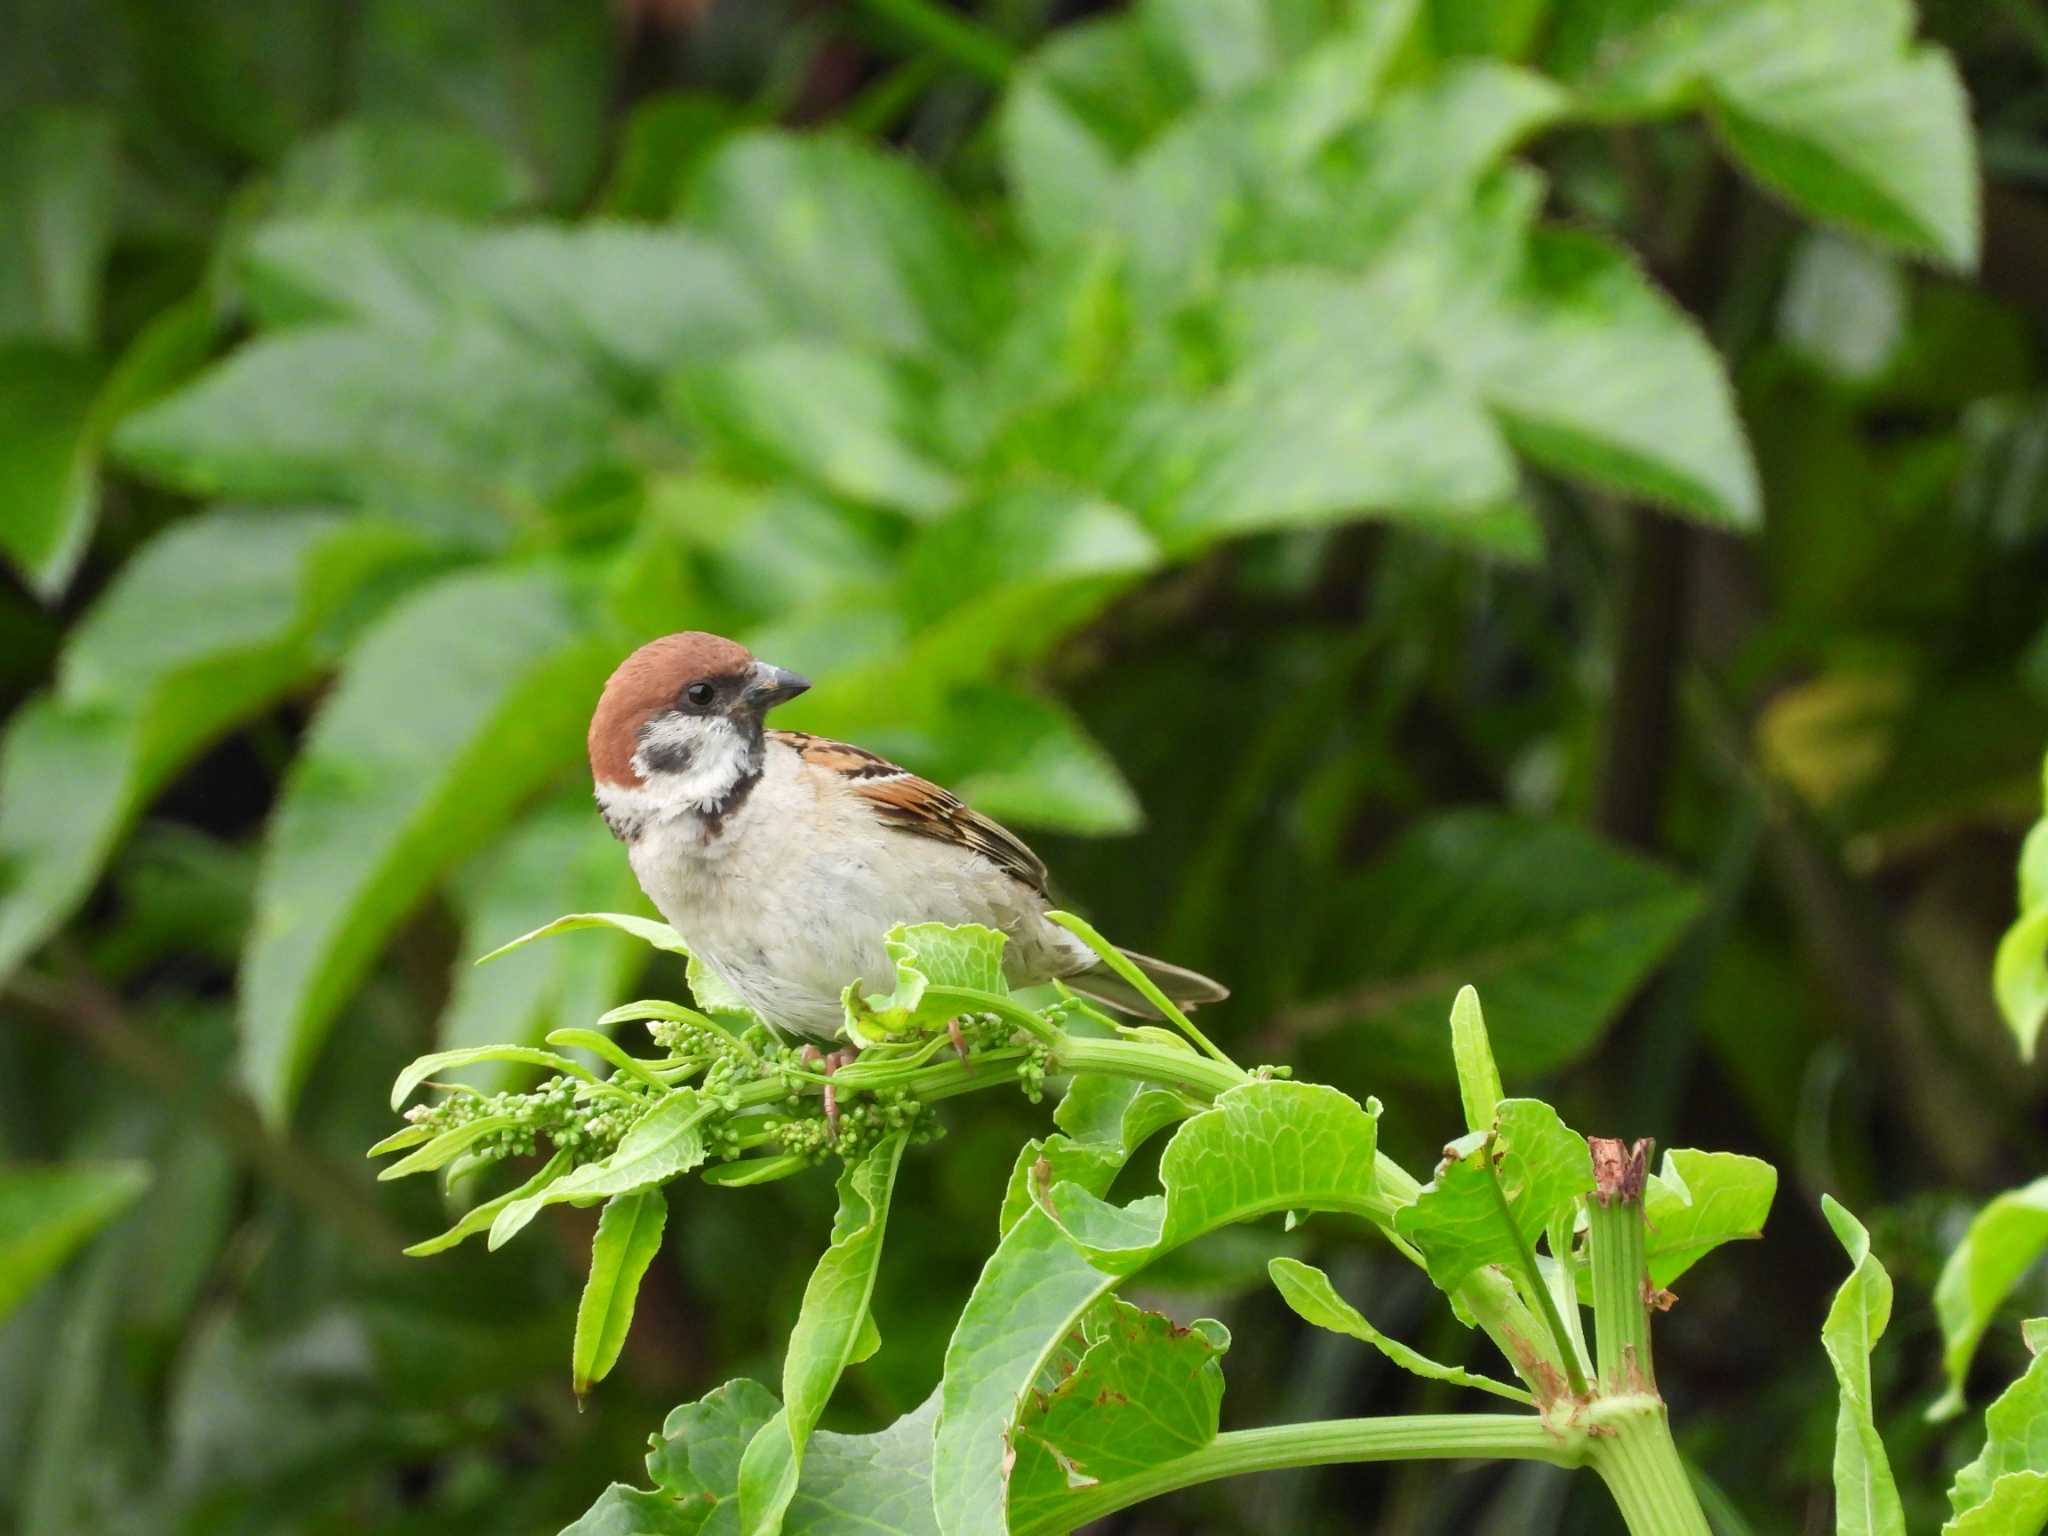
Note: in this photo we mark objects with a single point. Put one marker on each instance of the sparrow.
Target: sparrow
(782, 859)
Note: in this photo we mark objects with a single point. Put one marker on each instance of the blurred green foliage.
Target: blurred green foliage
(1389, 494)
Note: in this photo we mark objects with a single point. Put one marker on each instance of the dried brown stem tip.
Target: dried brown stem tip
(1620, 1169)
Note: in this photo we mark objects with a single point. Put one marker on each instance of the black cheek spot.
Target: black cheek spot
(666, 756)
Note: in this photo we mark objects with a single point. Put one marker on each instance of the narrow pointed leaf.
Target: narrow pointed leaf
(46, 1212)
(628, 1239)
(1866, 1498)
(832, 1330)
(1309, 1292)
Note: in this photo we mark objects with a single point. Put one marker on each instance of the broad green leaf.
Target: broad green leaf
(622, 1510)
(2004, 1240)
(1554, 926)
(1050, 773)
(645, 929)
(1828, 102)
(56, 408)
(58, 180)
(47, 440)
(832, 1331)
(1479, 1089)
(853, 1485)
(627, 303)
(697, 1458)
(1309, 1292)
(1692, 1205)
(1007, 575)
(1866, 1499)
(441, 1061)
(560, 858)
(2019, 977)
(927, 955)
(208, 625)
(478, 1218)
(1496, 1192)
(383, 160)
(2006, 1488)
(849, 241)
(665, 1144)
(844, 421)
(1141, 1390)
(535, 77)
(628, 1239)
(452, 428)
(46, 1212)
(1104, 1120)
(455, 707)
(1263, 1148)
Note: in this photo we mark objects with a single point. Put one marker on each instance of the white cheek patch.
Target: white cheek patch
(714, 756)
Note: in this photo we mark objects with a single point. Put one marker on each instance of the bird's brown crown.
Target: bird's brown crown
(647, 682)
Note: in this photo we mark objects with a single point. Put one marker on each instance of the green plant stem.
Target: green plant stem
(1630, 1446)
(950, 34)
(1119, 962)
(1621, 1273)
(1532, 1275)
(1404, 1437)
(1165, 1064)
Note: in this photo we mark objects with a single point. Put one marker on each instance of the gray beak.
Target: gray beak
(774, 685)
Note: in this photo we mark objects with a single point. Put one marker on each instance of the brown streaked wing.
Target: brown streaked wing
(903, 800)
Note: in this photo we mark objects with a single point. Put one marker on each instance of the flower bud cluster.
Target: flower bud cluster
(588, 1127)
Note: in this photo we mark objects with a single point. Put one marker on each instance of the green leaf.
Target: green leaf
(478, 1218)
(1829, 102)
(853, 1485)
(645, 929)
(48, 441)
(1141, 1391)
(59, 169)
(697, 1459)
(1554, 926)
(1104, 1120)
(1496, 1192)
(1479, 1089)
(1866, 1499)
(927, 955)
(2001, 1245)
(559, 858)
(457, 705)
(850, 241)
(1309, 1292)
(628, 1238)
(841, 420)
(451, 428)
(2006, 1488)
(428, 1066)
(383, 160)
(829, 1335)
(2019, 978)
(445, 1147)
(536, 77)
(46, 1212)
(1844, 307)
(665, 1144)
(208, 625)
(625, 302)
(1263, 1148)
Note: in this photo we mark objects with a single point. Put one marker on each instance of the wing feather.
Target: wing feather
(902, 800)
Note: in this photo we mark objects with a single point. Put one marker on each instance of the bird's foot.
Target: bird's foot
(959, 1040)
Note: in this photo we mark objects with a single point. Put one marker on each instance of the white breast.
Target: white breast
(789, 895)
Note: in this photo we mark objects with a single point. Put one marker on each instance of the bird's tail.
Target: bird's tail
(1184, 988)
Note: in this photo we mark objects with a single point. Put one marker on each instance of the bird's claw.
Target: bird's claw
(959, 1040)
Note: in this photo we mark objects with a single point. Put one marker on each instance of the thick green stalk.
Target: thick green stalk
(1621, 1274)
(1631, 1448)
(1404, 1437)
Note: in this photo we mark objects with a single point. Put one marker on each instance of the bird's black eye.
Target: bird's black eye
(700, 694)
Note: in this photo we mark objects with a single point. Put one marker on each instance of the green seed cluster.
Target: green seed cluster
(861, 1123)
(587, 1127)
(1031, 1072)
